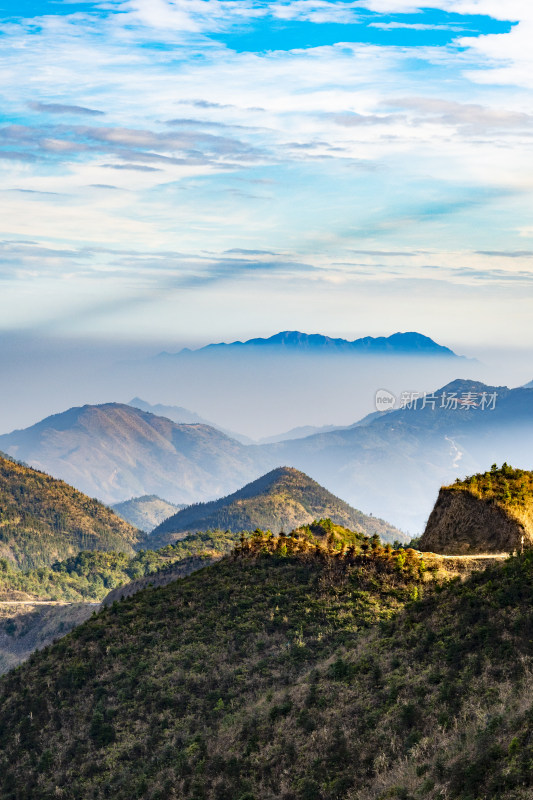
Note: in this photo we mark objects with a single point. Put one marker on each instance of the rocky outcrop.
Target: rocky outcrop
(462, 524)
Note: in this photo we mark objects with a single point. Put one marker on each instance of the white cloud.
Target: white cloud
(413, 26)
(312, 152)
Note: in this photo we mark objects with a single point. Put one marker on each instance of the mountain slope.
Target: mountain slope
(43, 520)
(114, 452)
(184, 416)
(175, 413)
(25, 628)
(398, 344)
(395, 464)
(40, 605)
(276, 675)
(146, 512)
(281, 500)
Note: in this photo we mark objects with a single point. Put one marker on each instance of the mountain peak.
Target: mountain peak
(114, 452)
(282, 499)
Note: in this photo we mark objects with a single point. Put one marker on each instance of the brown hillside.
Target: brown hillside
(43, 520)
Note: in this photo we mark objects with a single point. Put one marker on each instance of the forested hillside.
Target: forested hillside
(43, 520)
(90, 576)
(295, 670)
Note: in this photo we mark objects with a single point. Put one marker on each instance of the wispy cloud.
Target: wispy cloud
(414, 26)
(135, 167)
(466, 115)
(59, 108)
(336, 164)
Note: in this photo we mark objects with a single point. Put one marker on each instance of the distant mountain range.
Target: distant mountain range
(395, 465)
(45, 520)
(402, 344)
(183, 416)
(283, 499)
(175, 413)
(310, 430)
(113, 452)
(146, 512)
(391, 465)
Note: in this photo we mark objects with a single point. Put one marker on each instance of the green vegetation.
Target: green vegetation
(281, 500)
(216, 542)
(209, 686)
(43, 519)
(319, 665)
(89, 576)
(505, 485)
(301, 668)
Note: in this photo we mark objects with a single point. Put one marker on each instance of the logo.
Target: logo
(384, 400)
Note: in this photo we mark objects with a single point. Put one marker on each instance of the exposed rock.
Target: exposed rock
(462, 524)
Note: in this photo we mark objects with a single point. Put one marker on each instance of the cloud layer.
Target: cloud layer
(345, 137)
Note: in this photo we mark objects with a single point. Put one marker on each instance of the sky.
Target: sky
(179, 172)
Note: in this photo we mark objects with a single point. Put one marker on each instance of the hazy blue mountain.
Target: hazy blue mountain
(411, 343)
(267, 386)
(175, 413)
(283, 499)
(311, 430)
(528, 385)
(395, 464)
(299, 433)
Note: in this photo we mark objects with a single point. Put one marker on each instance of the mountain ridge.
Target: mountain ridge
(115, 451)
(183, 416)
(390, 464)
(283, 499)
(408, 343)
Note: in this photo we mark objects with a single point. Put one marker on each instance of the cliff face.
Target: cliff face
(461, 524)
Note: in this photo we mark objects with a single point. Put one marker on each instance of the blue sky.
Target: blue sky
(204, 170)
